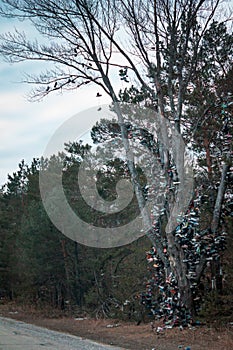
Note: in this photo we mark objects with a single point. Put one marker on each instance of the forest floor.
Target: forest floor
(127, 334)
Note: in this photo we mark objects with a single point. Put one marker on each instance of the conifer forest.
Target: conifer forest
(174, 62)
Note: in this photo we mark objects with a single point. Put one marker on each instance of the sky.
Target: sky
(26, 127)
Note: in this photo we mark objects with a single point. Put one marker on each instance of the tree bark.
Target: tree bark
(67, 272)
(219, 199)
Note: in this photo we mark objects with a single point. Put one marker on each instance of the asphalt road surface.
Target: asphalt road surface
(16, 335)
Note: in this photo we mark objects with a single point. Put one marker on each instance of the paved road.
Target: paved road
(15, 335)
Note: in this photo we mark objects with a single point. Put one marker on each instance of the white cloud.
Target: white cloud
(26, 127)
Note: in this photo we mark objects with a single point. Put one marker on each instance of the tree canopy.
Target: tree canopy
(174, 59)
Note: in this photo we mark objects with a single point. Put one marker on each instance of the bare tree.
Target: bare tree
(82, 48)
(84, 43)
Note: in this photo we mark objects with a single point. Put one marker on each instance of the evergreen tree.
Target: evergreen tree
(170, 40)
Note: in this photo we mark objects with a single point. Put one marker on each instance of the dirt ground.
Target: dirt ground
(128, 335)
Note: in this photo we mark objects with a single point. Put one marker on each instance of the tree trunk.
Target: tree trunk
(208, 157)
(219, 199)
(179, 269)
(78, 286)
(67, 272)
(217, 269)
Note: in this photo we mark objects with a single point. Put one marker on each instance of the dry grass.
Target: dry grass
(125, 334)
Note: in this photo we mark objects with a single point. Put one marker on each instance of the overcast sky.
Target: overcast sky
(26, 127)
